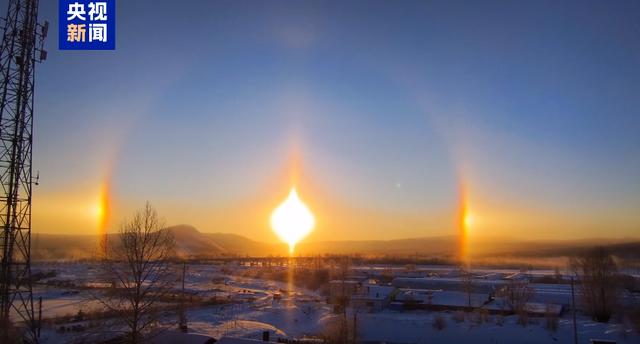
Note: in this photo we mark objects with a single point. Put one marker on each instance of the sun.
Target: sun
(292, 220)
(97, 211)
(468, 220)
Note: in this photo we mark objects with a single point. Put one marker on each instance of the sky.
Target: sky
(382, 114)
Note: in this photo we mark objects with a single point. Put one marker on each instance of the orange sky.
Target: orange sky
(92, 210)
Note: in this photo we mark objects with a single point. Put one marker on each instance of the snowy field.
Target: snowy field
(417, 327)
(255, 305)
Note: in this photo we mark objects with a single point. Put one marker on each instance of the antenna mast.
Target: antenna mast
(20, 49)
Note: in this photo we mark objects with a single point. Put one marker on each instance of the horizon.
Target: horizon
(306, 240)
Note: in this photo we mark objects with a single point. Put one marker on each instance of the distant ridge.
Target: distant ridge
(190, 242)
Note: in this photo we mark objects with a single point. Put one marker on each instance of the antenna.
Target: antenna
(45, 29)
(21, 40)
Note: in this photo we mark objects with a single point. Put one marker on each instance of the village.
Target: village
(317, 299)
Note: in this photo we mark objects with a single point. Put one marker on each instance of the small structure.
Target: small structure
(372, 297)
(446, 283)
(535, 309)
(456, 300)
(357, 275)
(439, 300)
(244, 296)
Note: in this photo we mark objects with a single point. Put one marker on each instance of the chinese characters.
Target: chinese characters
(87, 24)
(97, 26)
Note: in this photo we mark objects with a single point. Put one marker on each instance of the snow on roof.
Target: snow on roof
(478, 285)
(343, 281)
(457, 299)
(543, 308)
(444, 298)
(378, 291)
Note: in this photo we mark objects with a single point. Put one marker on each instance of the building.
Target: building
(439, 300)
(534, 309)
(372, 297)
(450, 284)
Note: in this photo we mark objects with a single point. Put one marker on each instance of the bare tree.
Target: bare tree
(340, 330)
(517, 293)
(341, 327)
(356, 309)
(137, 267)
(599, 282)
(333, 331)
(467, 284)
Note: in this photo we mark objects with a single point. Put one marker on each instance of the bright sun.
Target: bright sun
(468, 220)
(292, 220)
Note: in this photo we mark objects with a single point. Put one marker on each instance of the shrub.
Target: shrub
(439, 323)
(458, 316)
(551, 320)
(484, 315)
(523, 317)
(476, 317)
(634, 318)
(517, 293)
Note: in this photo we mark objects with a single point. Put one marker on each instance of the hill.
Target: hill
(192, 243)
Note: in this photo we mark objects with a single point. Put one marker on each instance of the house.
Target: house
(553, 293)
(447, 283)
(535, 309)
(372, 297)
(357, 275)
(456, 300)
(439, 300)
(408, 299)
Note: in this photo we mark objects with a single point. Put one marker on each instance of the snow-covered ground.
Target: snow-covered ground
(64, 302)
(417, 327)
(251, 308)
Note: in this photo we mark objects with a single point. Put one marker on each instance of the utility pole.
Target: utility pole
(20, 49)
(39, 315)
(183, 315)
(573, 308)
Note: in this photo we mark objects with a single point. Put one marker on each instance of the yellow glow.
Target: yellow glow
(292, 220)
(102, 209)
(97, 211)
(468, 220)
(465, 220)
